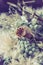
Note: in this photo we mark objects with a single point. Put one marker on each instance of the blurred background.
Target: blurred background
(34, 3)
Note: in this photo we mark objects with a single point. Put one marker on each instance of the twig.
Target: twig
(29, 2)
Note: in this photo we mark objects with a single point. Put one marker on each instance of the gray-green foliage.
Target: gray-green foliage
(27, 48)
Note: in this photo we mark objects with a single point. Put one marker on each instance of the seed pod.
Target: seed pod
(24, 31)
